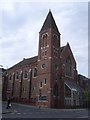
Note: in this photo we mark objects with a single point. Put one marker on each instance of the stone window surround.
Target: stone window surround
(43, 66)
(17, 75)
(44, 45)
(68, 68)
(54, 35)
(45, 81)
(25, 73)
(34, 76)
(10, 76)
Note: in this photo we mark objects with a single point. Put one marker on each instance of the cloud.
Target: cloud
(22, 22)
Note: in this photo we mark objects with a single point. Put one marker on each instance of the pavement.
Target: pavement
(13, 110)
(10, 110)
(5, 110)
(18, 110)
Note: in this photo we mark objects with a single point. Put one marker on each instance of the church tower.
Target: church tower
(49, 63)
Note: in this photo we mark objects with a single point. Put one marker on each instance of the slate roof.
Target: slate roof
(25, 62)
(49, 23)
(82, 77)
(29, 61)
(61, 48)
(73, 85)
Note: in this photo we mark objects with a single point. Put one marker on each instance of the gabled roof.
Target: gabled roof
(25, 62)
(62, 48)
(49, 23)
(82, 77)
(72, 85)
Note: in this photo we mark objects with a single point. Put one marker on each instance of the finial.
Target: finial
(67, 43)
(49, 10)
(23, 58)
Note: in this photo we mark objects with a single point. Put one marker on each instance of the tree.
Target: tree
(86, 98)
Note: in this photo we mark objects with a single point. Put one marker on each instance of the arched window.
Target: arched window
(25, 74)
(55, 39)
(35, 72)
(10, 76)
(44, 41)
(17, 75)
(41, 84)
(68, 67)
(45, 81)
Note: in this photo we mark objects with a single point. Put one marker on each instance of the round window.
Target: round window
(43, 66)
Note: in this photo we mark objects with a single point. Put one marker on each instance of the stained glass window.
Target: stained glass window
(68, 67)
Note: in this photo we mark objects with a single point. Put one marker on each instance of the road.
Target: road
(27, 111)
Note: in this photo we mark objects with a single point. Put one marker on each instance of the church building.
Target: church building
(49, 79)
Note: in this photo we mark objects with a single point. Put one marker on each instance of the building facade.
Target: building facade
(49, 79)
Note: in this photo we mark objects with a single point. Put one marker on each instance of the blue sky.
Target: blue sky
(22, 21)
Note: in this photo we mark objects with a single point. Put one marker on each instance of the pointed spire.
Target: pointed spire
(49, 22)
(49, 10)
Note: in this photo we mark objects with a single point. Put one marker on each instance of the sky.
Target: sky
(21, 22)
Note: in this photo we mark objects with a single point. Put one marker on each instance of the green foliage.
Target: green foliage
(85, 95)
(86, 98)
